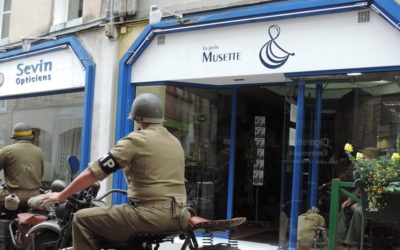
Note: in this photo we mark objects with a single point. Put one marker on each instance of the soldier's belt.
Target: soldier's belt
(152, 204)
(24, 191)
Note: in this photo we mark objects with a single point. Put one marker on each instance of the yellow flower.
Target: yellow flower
(348, 148)
(395, 157)
(359, 156)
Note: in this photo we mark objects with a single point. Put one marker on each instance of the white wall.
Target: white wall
(104, 53)
(29, 18)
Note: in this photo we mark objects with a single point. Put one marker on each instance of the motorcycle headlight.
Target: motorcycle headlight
(95, 188)
(57, 186)
(60, 210)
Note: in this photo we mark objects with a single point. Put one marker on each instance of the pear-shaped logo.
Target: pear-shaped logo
(271, 54)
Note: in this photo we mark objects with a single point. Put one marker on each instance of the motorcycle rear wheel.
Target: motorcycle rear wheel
(44, 241)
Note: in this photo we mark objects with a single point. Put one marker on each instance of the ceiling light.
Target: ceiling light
(354, 74)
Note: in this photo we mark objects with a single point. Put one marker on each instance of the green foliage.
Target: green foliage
(376, 174)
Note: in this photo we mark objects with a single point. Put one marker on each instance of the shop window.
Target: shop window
(200, 119)
(56, 121)
(363, 110)
(5, 14)
(69, 144)
(67, 13)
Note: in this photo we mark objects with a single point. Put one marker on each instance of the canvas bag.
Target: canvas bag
(25, 222)
(308, 223)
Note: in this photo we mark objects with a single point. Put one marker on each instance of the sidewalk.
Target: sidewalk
(243, 245)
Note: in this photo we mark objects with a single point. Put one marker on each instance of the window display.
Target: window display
(57, 125)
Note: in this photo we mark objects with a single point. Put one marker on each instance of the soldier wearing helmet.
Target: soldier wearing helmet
(23, 165)
(153, 162)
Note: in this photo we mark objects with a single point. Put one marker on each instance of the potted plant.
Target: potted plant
(379, 181)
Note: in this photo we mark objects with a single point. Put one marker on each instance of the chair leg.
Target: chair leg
(362, 232)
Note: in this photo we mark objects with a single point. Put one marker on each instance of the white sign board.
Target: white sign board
(52, 71)
(264, 51)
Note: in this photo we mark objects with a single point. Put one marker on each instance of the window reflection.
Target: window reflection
(199, 118)
(361, 110)
(56, 121)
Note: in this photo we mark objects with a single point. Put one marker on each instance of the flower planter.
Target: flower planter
(389, 213)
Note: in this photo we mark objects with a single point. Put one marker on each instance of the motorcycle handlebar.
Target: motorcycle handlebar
(81, 202)
(121, 191)
(76, 201)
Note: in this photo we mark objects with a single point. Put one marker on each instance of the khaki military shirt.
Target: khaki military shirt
(23, 165)
(153, 162)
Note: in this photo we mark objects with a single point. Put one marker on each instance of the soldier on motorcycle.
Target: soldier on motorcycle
(153, 162)
(23, 165)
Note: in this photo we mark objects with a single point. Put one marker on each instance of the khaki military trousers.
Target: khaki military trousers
(117, 223)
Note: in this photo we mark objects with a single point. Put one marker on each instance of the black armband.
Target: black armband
(108, 164)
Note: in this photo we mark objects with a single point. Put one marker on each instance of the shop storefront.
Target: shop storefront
(263, 99)
(50, 87)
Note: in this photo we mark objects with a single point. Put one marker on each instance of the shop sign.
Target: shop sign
(268, 50)
(53, 71)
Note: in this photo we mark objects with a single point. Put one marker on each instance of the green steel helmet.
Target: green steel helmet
(21, 131)
(147, 108)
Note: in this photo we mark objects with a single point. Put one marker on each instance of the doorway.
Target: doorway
(258, 162)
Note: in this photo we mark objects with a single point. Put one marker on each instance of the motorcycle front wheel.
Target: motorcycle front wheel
(44, 241)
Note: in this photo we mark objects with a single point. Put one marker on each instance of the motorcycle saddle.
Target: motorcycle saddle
(31, 219)
(199, 223)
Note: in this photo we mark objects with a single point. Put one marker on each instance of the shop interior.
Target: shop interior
(362, 109)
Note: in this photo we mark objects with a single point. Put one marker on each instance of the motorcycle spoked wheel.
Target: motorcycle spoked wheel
(44, 241)
(217, 247)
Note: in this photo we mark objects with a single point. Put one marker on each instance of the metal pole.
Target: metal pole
(256, 216)
(231, 176)
(297, 174)
(316, 146)
(282, 215)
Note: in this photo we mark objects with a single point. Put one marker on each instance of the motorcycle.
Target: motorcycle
(56, 233)
(15, 224)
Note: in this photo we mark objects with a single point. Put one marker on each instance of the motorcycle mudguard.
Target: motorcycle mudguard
(46, 225)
